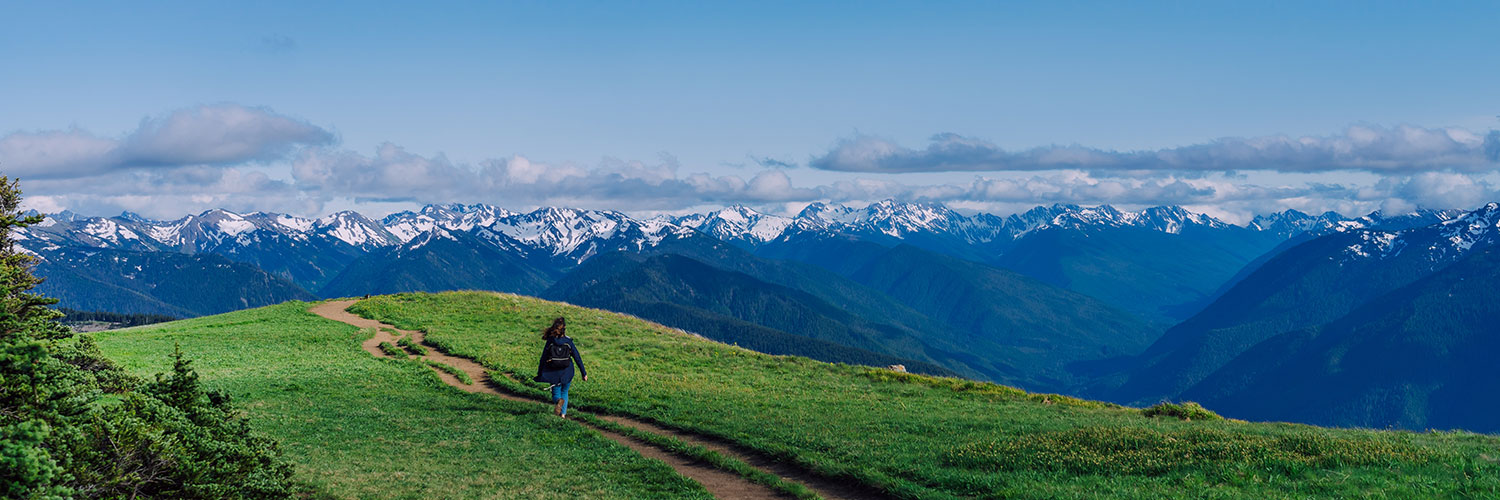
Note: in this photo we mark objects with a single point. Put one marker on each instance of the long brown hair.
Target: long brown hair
(559, 328)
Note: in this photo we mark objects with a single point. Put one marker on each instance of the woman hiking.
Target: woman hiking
(556, 367)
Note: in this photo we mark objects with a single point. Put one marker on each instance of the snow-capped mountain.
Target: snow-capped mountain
(213, 231)
(352, 228)
(578, 234)
(306, 251)
(1464, 232)
(1321, 283)
(575, 235)
(454, 217)
(736, 224)
(906, 220)
(312, 252)
(1291, 222)
(1416, 218)
(1440, 243)
(569, 234)
(1166, 219)
(889, 218)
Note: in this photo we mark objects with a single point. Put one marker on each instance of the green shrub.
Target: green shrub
(979, 388)
(1185, 411)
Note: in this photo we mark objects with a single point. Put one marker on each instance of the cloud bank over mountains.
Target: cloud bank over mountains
(216, 135)
(246, 159)
(1403, 149)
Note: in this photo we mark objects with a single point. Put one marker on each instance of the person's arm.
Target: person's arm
(578, 358)
(541, 362)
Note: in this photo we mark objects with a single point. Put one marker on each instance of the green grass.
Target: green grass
(705, 455)
(1185, 411)
(926, 437)
(361, 427)
(412, 347)
(393, 351)
(455, 372)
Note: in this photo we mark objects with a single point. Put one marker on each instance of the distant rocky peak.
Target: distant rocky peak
(737, 223)
(424, 238)
(1480, 221)
(1167, 218)
(827, 212)
(343, 217)
(441, 209)
(1173, 219)
(1102, 215)
(916, 212)
(739, 214)
(899, 219)
(1438, 242)
(354, 229)
(218, 214)
(65, 216)
(557, 214)
(1381, 219)
(1288, 223)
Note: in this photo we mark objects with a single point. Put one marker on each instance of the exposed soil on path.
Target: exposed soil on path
(718, 482)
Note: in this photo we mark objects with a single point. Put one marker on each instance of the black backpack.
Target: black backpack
(558, 355)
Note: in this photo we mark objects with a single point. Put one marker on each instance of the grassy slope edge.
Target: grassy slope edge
(917, 436)
(357, 426)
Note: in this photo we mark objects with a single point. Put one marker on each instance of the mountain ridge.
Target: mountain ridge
(1305, 286)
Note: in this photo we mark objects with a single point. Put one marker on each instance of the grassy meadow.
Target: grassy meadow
(925, 437)
(360, 427)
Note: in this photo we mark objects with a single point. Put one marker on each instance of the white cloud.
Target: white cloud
(394, 174)
(1438, 189)
(169, 193)
(224, 134)
(54, 154)
(1403, 149)
(220, 135)
(211, 156)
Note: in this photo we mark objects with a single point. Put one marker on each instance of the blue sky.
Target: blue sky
(307, 107)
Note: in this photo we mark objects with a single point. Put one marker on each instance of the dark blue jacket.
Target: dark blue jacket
(563, 375)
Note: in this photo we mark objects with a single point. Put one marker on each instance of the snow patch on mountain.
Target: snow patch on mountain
(1438, 244)
(354, 229)
(582, 233)
(823, 215)
(427, 237)
(295, 224)
(168, 234)
(108, 230)
(1291, 222)
(1375, 244)
(735, 223)
(233, 227)
(1477, 227)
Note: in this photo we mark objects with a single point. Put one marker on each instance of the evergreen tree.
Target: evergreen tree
(61, 438)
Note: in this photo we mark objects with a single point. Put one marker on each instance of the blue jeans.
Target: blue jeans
(560, 393)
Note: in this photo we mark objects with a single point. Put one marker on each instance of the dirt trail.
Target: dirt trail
(720, 483)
